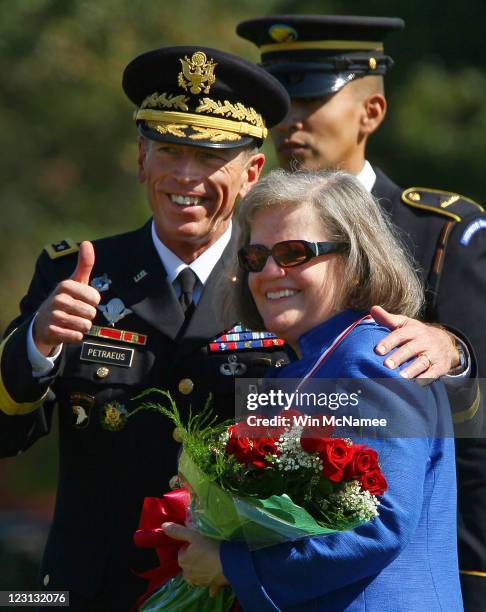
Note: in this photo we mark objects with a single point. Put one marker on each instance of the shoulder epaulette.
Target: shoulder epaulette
(61, 248)
(446, 203)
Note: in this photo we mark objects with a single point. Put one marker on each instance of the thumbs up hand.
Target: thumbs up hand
(68, 312)
(85, 264)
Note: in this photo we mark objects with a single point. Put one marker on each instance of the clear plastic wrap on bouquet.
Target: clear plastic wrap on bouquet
(221, 515)
(177, 596)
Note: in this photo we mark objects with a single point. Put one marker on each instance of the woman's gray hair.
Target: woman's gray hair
(377, 269)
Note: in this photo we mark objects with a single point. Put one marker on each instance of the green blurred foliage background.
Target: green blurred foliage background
(68, 154)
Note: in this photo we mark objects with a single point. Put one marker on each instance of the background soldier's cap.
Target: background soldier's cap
(203, 97)
(316, 55)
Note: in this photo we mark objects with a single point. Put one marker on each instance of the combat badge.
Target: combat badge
(114, 311)
(101, 283)
(113, 416)
(81, 406)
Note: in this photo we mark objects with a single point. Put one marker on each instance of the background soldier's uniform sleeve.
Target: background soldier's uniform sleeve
(26, 403)
(461, 299)
(456, 298)
(461, 294)
(453, 293)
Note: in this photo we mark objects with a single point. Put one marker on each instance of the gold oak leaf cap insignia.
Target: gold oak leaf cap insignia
(317, 55)
(203, 97)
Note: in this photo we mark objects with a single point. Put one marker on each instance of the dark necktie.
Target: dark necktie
(187, 280)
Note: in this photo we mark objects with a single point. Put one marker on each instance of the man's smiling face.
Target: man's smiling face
(192, 191)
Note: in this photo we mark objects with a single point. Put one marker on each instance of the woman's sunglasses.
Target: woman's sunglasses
(287, 254)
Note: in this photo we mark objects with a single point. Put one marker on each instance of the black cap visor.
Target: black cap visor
(311, 80)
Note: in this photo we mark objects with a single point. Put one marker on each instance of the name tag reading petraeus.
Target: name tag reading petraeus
(104, 353)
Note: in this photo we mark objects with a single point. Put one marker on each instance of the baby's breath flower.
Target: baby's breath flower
(224, 437)
(352, 501)
(292, 456)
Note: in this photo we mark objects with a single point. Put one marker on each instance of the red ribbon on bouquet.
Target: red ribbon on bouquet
(171, 507)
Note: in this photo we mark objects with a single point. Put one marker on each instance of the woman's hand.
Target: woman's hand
(433, 347)
(200, 561)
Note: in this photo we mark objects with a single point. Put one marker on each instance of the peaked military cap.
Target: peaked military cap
(316, 55)
(203, 97)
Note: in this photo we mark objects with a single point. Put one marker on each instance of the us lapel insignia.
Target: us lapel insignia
(81, 406)
(138, 277)
(101, 283)
(113, 416)
(114, 311)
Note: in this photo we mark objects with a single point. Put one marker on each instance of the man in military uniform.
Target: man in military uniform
(101, 322)
(333, 68)
(137, 311)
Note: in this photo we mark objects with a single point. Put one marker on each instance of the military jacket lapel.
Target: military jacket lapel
(209, 318)
(151, 297)
(386, 192)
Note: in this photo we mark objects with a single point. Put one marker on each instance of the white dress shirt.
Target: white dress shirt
(367, 176)
(202, 266)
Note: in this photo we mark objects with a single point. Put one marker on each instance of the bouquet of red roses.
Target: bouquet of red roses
(264, 486)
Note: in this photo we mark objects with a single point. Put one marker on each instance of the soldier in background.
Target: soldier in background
(333, 69)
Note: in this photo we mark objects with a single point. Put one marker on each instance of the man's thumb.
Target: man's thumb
(86, 261)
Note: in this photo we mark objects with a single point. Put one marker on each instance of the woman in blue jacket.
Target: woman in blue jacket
(315, 255)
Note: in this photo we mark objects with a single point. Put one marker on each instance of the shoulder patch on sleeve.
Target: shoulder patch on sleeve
(61, 248)
(472, 228)
(445, 203)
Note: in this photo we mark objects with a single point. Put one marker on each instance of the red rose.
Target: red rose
(239, 447)
(374, 482)
(363, 460)
(240, 430)
(310, 442)
(313, 438)
(335, 454)
(249, 451)
(260, 449)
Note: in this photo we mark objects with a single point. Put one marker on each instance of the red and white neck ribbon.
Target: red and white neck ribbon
(332, 348)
